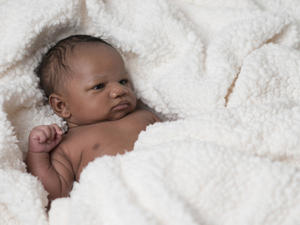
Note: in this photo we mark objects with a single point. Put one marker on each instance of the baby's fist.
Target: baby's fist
(44, 138)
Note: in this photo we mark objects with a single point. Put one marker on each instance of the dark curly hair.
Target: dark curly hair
(53, 68)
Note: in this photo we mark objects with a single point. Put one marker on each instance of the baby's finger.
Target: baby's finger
(52, 133)
(57, 129)
(39, 135)
(56, 135)
(47, 132)
(57, 139)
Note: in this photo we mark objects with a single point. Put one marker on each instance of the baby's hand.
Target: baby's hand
(44, 138)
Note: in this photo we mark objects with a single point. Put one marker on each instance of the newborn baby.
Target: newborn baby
(87, 85)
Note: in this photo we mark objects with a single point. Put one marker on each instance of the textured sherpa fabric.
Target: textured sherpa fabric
(224, 74)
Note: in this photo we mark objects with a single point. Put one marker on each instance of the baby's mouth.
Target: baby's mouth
(121, 106)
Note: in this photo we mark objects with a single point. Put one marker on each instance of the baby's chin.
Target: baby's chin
(121, 114)
(111, 116)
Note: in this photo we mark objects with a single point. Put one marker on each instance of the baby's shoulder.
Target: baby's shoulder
(144, 114)
(78, 136)
(73, 141)
(72, 145)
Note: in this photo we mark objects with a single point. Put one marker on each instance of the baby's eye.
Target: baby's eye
(99, 86)
(124, 81)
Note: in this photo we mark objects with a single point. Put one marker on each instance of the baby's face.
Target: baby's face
(99, 88)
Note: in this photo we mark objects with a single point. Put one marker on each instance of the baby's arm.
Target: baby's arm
(48, 163)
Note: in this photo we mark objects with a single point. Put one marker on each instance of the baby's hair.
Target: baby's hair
(53, 68)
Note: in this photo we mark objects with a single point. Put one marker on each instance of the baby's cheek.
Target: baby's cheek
(134, 100)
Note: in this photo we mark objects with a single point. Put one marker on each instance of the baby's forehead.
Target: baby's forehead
(89, 46)
(90, 58)
(94, 50)
(82, 51)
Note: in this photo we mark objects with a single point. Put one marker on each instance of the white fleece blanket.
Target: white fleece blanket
(225, 75)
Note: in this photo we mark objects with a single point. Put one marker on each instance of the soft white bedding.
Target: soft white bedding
(225, 75)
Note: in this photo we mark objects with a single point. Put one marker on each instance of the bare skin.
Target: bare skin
(100, 108)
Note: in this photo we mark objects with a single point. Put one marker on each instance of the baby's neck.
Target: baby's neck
(76, 125)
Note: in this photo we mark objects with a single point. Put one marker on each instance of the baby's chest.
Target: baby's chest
(112, 142)
(111, 139)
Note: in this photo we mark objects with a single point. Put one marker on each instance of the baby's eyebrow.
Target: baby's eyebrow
(97, 78)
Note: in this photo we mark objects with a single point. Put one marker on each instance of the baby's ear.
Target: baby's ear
(59, 106)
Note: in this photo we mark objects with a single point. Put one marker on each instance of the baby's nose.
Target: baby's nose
(117, 90)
